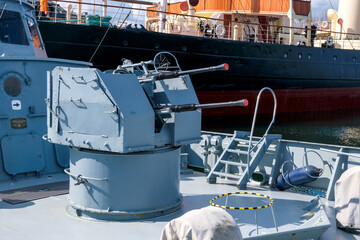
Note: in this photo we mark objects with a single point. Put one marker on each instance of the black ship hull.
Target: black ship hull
(305, 79)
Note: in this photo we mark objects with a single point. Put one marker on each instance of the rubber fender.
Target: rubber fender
(298, 176)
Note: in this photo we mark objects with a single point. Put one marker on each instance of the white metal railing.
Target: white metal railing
(127, 15)
(250, 148)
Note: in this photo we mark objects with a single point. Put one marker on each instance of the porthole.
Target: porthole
(157, 46)
(335, 58)
(285, 55)
(125, 43)
(309, 56)
(354, 59)
(300, 56)
(12, 86)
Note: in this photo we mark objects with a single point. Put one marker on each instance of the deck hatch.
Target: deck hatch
(23, 153)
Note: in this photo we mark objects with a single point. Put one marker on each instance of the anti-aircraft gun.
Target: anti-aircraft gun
(125, 128)
(177, 79)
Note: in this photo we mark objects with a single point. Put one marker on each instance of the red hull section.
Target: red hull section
(289, 101)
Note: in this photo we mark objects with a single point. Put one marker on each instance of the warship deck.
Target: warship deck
(47, 218)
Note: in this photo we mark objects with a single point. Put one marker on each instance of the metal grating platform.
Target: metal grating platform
(27, 194)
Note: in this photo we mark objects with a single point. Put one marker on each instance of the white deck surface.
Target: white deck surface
(46, 219)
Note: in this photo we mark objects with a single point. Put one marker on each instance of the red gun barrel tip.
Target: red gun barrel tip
(226, 66)
(246, 102)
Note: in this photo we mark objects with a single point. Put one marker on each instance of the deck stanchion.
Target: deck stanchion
(226, 202)
(256, 221)
(273, 215)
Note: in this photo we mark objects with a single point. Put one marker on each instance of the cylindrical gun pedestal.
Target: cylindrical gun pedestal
(116, 187)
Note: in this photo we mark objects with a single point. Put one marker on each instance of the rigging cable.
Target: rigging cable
(3, 9)
(122, 10)
(249, 4)
(245, 22)
(127, 16)
(103, 37)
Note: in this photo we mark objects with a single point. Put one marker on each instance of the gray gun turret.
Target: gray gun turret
(108, 111)
(125, 129)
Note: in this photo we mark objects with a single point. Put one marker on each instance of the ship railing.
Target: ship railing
(139, 16)
(349, 41)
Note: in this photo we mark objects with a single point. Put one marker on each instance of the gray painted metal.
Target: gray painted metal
(14, 160)
(22, 126)
(22, 119)
(27, 194)
(336, 159)
(100, 111)
(245, 162)
(107, 186)
(23, 68)
(103, 111)
(125, 161)
(339, 167)
(289, 209)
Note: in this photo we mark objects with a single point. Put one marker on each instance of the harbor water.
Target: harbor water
(340, 127)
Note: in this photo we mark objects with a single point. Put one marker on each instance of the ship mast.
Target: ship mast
(163, 15)
(291, 16)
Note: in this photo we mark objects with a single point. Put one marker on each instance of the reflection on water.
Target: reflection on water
(338, 135)
(338, 128)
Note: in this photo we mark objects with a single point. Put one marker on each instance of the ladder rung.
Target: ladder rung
(228, 175)
(233, 163)
(241, 140)
(237, 151)
(243, 145)
(245, 141)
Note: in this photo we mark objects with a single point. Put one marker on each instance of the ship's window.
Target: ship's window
(354, 59)
(335, 58)
(285, 55)
(300, 56)
(12, 86)
(12, 29)
(34, 32)
(309, 56)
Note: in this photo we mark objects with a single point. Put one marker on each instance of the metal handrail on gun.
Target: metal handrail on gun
(250, 148)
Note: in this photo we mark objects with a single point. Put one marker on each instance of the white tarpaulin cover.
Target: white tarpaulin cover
(347, 195)
(205, 223)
